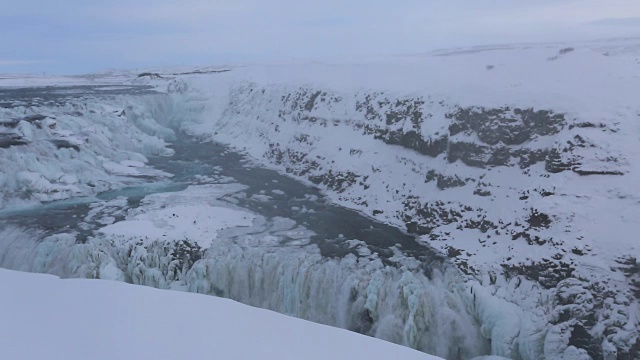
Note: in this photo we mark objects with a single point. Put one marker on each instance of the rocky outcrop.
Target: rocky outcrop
(8, 139)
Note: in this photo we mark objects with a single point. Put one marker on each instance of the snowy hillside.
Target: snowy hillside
(44, 317)
(517, 165)
(520, 164)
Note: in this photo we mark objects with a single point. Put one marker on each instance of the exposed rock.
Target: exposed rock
(547, 273)
(504, 125)
(8, 140)
(413, 140)
(12, 123)
(538, 219)
(338, 182)
(445, 182)
(581, 339)
(150, 75)
(470, 153)
(64, 144)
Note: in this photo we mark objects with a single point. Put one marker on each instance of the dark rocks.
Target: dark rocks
(311, 102)
(560, 53)
(365, 323)
(33, 118)
(538, 219)
(9, 140)
(423, 219)
(570, 155)
(630, 266)
(504, 125)
(501, 132)
(581, 339)
(481, 192)
(453, 252)
(337, 181)
(414, 141)
(555, 163)
(64, 144)
(445, 182)
(469, 153)
(395, 111)
(546, 272)
(597, 172)
(498, 131)
(528, 157)
(12, 123)
(501, 156)
(430, 215)
(150, 75)
(400, 122)
(483, 225)
(187, 253)
(296, 162)
(203, 72)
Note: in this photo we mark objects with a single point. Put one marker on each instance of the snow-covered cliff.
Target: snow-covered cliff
(520, 164)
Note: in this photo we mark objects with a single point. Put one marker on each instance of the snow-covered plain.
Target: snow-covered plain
(44, 317)
(519, 163)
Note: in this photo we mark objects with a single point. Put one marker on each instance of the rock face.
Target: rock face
(7, 140)
(488, 186)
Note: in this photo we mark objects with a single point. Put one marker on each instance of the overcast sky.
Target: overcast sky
(78, 36)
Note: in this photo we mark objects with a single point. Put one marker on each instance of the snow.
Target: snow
(44, 317)
(198, 223)
(262, 111)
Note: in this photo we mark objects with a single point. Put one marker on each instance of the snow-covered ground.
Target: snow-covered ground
(519, 163)
(44, 317)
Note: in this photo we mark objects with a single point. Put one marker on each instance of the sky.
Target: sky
(79, 36)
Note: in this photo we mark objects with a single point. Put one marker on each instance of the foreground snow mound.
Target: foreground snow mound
(44, 317)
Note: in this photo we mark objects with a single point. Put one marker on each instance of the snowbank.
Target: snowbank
(44, 317)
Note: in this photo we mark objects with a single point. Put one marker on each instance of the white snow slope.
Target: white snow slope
(44, 317)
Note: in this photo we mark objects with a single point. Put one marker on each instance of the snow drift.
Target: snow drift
(83, 319)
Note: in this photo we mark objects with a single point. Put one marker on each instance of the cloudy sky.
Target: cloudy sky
(77, 36)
